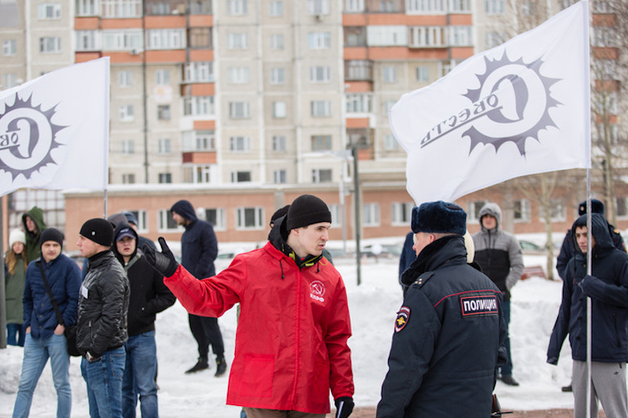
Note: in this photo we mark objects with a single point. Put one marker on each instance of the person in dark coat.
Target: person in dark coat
(449, 333)
(407, 254)
(199, 249)
(149, 296)
(607, 288)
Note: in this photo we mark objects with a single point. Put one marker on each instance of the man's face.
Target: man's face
(87, 247)
(581, 238)
(422, 240)
(50, 250)
(30, 224)
(180, 220)
(489, 222)
(311, 239)
(126, 246)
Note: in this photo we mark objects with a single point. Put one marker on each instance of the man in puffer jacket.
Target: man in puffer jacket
(607, 286)
(102, 319)
(499, 255)
(291, 341)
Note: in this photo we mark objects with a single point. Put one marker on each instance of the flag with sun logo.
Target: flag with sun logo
(518, 109)
(54, 130)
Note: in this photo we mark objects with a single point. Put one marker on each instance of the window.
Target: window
(605, 36)
(279, 177)
(494, 39)
(198, 106)
(426, 6)
(388, 104)
(279, 143)
(201, 7)
(240, 176)
(522, 210)
(277, 76)
(239, 144)
(239, 110)
(199, 72)
(473, 211)
(250, 218)
(9, 80)
(358, 70)
(460, 6)
(164, 146)
(196, 141)
(336, 215)
(321, 142)
(370, 214)
(123, 40)
(359, 103)
(125, 78)
(354, 35)
(162, 77)
(121, 8)
(128, 178)
(528, 8)
(319, 40)
(622, 207)
(321, 175)
(236, 7)
(276, 42)
(216, 217)
(163, 112)
(354, 6)
(276, 8)
(390, 143)
(237, 41)
(380, 35)
(402, 213)
(88, 40)
(460, 36)
(200, 38)
(197, 174)
(320, 108)
(427, 36)
(48, 11)
(50, 44)
(165, 178)
(165, 39)
(320, 74)
(87, 7)
(494, 7)
(9, 47)
(238, 75)
(558, 211)
(126, 113)
(166, 223)
(318, 7)
(279, 109)
(389, 74)
(423, 74)
(128, 146)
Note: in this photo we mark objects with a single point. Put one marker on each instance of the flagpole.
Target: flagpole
(105, 154)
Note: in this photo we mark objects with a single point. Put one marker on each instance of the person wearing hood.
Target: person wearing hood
(34, 224)
(449, 332)
(499, 255)
(149, 296)
(607, 288)
(291, 339)
(199, 249)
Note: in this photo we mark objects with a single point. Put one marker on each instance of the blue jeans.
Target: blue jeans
(104, 384)
(506, 370)
(14, 330)
(36, 354)
(139, 376)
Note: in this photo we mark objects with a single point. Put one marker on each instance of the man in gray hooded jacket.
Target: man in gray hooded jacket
(499, 255)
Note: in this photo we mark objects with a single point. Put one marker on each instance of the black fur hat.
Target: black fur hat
(596, 207)
(439, 217)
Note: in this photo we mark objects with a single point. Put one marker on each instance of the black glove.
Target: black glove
(344, 406)
(163, 261)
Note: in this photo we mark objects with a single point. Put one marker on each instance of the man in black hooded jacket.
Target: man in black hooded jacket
(199, 249)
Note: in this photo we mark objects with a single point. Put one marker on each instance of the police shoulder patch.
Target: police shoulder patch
(479, 305)
(403, 316)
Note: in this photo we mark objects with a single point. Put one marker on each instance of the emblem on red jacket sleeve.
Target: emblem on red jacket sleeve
(403, 316)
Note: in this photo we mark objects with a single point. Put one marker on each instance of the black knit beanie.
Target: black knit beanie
(307, 210)
(98, 230)
(51, 234)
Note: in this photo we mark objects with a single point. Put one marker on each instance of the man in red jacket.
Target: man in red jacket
(291, 341)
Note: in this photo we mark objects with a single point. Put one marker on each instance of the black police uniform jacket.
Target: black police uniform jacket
(447, 339)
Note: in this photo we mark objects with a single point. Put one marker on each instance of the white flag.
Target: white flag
(54, 130)
(521, 108)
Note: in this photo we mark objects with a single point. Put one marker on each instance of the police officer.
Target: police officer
(449, 331)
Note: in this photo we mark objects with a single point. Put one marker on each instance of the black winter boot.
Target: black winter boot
(221, 366)
(200, 365)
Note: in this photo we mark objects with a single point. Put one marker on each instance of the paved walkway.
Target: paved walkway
(369, 412)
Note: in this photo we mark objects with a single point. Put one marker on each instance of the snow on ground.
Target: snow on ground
(373, 307)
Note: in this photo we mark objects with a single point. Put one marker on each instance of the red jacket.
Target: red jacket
(291, 341)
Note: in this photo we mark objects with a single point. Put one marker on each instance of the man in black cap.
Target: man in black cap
(449, 331)
(102, 319)
(199, 249)
(291, 341)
